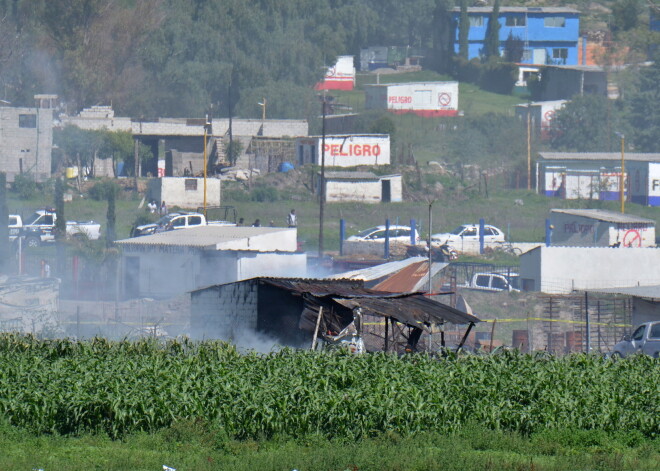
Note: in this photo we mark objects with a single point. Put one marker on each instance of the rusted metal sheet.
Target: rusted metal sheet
(406, 279)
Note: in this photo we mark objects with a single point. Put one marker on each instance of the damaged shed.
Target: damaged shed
(297, 311)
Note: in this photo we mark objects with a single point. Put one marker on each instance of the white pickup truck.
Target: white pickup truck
(175, 221)
(38, 228)
(645, 339)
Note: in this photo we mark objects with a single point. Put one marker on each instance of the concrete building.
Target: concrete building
(362, 187)
(185, 192)
(597, 227)
(565, 82)
(183, 139)
(170, 263)
(562, 270)
(26, 139)
(549, 34)
(348, 150)
(596, 175)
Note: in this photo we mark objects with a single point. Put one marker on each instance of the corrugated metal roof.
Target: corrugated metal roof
(205, 236)
(651, 292)
(351, 176)
(412, 278)
(520, 10)
(633, 156)
(321, 288)
(411, 309)
(378, 271)
(604, 215)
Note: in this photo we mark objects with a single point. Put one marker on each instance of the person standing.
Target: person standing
(163, 208)
(291, 219)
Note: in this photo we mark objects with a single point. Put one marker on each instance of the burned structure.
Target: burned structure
(305, 312)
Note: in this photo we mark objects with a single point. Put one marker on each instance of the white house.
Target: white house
(170, 263)
(185, 192)
(362, 187)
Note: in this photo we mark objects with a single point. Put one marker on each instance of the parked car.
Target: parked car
(378, 233)
(15, 226)
(645, 339)
(38, 228)
(469, 232)
(495, 282)
(175, 221)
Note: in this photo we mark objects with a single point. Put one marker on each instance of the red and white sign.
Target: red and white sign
(341, 76)
(428, 99)
(345, 151)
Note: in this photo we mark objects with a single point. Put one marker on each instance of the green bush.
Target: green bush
(25, 186)
(264, 194)
(101, 190)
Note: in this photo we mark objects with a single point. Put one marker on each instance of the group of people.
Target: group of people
(291, 220)
(153, 207)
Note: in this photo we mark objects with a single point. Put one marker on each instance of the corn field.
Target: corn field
(69, 387)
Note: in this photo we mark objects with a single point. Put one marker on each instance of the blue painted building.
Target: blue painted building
(549, 34)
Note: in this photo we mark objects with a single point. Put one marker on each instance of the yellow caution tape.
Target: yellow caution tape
(564, 321)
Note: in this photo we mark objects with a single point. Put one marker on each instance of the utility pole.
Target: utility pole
(322, 187)
(430, 251)
(529, 146)
(622, 186)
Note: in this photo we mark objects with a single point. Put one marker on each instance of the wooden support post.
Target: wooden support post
(316, 330)
(387, 340)
(467, 332)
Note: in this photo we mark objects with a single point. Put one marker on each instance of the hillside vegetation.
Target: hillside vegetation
(189, 57)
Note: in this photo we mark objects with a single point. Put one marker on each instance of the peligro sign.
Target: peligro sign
(349, 150)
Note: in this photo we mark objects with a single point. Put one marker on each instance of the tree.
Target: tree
(443, 41)
(514, 47)
(586, 124)
(492, 40)
(111, 195)
(625, 15)
(60, 222)
(60, 227)
(463, 31)
(4, 225)
(643, 111)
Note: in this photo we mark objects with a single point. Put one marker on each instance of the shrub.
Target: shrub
(102, 189)
(264, 194)
(25, 186)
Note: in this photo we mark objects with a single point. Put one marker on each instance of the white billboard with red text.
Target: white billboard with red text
(429, 99)
(341, 76)
(345, 150)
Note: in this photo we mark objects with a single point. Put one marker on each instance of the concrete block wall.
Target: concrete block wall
(173, 191)
(364, 191)
(31, 145)
(223, 312)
